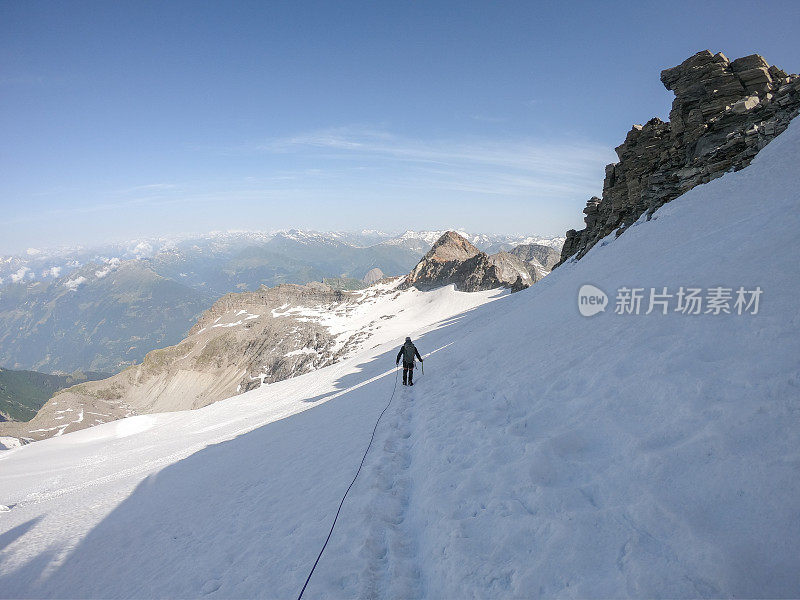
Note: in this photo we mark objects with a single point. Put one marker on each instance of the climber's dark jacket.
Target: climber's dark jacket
(408, 351)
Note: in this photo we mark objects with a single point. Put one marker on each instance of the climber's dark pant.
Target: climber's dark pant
(408, 373)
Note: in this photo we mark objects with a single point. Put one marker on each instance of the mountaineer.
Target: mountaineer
(408, 351)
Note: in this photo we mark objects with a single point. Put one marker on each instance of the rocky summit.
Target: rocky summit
(455, 261)
(724, 112)
(542, 258)
(373, 276)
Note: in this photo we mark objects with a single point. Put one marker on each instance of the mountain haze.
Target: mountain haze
(61, 311)
(101, 317)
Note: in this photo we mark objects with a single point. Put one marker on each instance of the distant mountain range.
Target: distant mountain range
(104, 308)
(100, 317)
(247, 339)
(216, 249)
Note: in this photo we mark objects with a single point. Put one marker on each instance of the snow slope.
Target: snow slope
(542, 454)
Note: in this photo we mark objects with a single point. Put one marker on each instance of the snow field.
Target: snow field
(542, 453)
(62, 488)
(648, 456)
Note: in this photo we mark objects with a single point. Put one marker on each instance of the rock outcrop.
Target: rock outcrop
(509, 268)
(542, 258)
(373, 276)
(243, 341)
(455, 261)
(724, 112)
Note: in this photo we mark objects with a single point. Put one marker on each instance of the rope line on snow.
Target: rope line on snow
(363, 458)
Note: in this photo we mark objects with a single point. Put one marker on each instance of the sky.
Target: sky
(121, 120)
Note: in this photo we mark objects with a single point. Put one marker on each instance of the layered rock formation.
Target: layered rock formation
(454, 261)
(724, 112)
(542, 258)
(241, 342)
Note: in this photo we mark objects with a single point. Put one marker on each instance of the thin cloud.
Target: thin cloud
(488, 119)
(150, 187)
(474, 164)
(95, 207)
(373, 166)
(517, 154)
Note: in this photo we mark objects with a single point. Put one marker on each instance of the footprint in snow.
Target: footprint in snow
(211, 586)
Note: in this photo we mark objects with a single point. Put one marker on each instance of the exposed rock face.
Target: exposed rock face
(241, 342)
(541, 257)
(373, 276)
(451, 247)
(453, 260)
(509, 268)
(724, 112)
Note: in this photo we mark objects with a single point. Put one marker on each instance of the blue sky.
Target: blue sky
(133, 119)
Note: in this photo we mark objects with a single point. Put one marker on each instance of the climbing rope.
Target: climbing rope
(363, 458)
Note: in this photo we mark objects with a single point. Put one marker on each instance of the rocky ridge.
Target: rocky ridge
(243, 341)
(248, 339)
(103, 308)
(453, 260)
(724, 112)
(542, 258)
